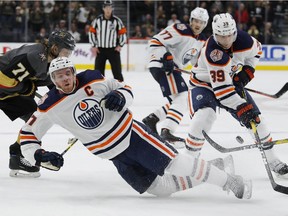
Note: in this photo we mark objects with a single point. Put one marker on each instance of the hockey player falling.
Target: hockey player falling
(173, 48)
(95, 110)
(227, 64)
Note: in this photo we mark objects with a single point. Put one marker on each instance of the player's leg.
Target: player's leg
(157, 116)
(174, 88)
(156, 155)
(201, 105)
(20, 107)
(173, 118)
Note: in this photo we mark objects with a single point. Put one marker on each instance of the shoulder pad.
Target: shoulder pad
(243, 41)
(215, 54)
(183, 29)
(88, 76)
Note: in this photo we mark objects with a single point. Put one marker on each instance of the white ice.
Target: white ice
(87, 185)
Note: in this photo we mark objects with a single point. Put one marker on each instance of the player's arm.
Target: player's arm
(15, 78)
(160, 43)
(120, 96)
(252, 57)
(30, 141)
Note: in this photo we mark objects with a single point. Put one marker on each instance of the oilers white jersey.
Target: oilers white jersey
(216, 66)
(105, 133)
(178, 39)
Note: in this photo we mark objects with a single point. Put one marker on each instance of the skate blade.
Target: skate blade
(23, 174)
(247, 189)
(229, 165)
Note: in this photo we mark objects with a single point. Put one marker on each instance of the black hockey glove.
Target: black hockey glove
(168, 63)
(114, 101)
(48, 160)
(246, 114)
(244, 76)
(29, 88)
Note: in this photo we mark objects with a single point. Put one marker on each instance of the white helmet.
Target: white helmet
(58, 64)
(223, 24)
(200, 14)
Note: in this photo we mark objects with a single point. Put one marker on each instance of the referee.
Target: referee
(107, 35)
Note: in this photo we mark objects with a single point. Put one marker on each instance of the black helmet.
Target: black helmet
(107, 3)
(62, 39)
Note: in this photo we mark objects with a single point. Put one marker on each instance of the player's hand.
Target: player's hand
(29, 88)
(244, 76)
(114, 101)
(49, 160)
(168, 63)
(246, 114)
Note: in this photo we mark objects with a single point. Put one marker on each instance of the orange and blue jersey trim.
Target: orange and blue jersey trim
(28, 138)
(152, 140)
(113, 137)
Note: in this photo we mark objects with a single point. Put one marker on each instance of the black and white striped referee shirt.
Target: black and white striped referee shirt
(107, 33)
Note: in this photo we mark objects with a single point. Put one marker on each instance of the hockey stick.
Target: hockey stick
(39, 96)
(49, 166)
(239, 148)
(71, 142)
(283, 90)
(182, 71)
(276, 187)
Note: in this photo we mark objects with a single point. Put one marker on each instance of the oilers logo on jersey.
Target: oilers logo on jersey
(189, 55)
(88, 114)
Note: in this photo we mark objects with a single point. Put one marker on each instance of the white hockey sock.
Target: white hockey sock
(217, 176)
(162, 112)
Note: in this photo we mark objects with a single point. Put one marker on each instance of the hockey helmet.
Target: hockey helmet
(223, 24)
(200, 14)
(58, 64)
(63, 39)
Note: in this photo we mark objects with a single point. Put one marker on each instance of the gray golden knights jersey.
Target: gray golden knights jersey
(28, 62)
(105, 133)
(180, 41)
(216, 66)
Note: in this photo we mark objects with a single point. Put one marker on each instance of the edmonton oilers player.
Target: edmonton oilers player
(95, 110)
(176, 45)
(226, 64)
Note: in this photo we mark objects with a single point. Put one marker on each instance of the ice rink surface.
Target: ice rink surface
(88, 185)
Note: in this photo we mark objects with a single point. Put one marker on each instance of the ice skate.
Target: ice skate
(226, 164)
(241, 188)
(20, 167)
(279, 168)
(177, 142)
(151, 121)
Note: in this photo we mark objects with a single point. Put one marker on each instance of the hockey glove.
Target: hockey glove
(168, 64)
(29, 89)
(114, 101)
(246, 114)
(48, 160)
(244, 76)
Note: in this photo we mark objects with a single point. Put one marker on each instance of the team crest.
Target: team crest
(189, 55)
(88, 114)
(216, 55)
(181, 26)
